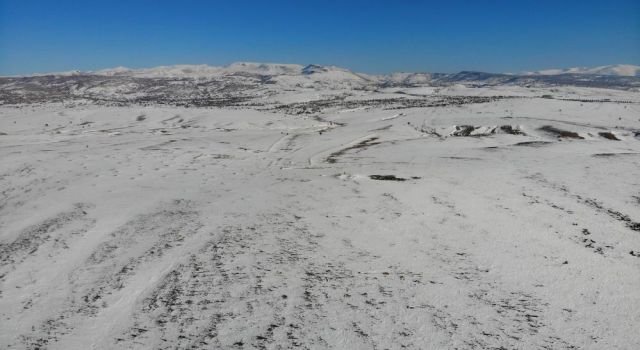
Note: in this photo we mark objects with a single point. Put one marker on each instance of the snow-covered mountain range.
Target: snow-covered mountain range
(274, 69)
(204, 85)
(206, 71)
(624, 70)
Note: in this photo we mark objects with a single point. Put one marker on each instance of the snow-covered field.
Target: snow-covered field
(511, 223)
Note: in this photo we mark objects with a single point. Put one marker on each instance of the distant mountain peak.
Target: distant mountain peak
(313, 68)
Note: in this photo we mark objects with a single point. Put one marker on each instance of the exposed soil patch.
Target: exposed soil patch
(333, 157)
(609, 135)
(561, 133)
(509, 129)
(463, 130)
(477, 131)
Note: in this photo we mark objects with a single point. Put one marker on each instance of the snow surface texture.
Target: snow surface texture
(422, 217)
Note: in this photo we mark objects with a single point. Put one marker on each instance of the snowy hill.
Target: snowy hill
(409, 78)
(204, 71)
(287, 75)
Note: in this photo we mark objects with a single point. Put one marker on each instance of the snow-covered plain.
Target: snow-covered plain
(302, 220)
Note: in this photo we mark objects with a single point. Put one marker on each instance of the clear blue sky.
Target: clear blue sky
(366, 36)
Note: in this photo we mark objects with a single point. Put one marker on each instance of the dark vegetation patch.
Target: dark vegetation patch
(391, 178)
(624, 218)
(31, 238)
(592, 244)
(609, 135)
(593, 100)
(462, 158)
(614, 154)
(333, 157)
(227, 91)
(425, 129)
(383, 128)
(387, 178)
(561, 133)
(533, 143)
(593, 203)
(318, 106)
